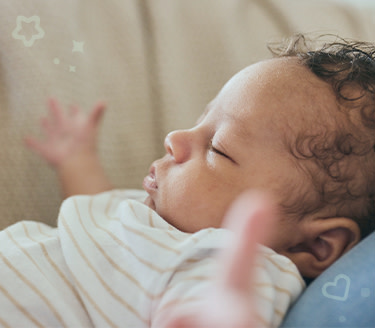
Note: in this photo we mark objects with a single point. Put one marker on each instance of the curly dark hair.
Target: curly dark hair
(343, 158)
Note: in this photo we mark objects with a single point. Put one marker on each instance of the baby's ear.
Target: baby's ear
(325, 240)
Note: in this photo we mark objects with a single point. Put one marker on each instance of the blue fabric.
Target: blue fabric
(343, 296)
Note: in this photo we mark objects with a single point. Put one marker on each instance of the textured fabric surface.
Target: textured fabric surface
(157, 63)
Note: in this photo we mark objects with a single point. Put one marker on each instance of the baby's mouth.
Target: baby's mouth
(149, 182)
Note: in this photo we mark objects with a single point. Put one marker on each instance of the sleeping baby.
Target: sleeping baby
(299, 127)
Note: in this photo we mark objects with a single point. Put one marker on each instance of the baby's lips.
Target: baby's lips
(149, 182)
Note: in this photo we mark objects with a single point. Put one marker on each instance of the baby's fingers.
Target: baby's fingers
(56, 112)
(48, 126)
(251, 218)
(97, 113)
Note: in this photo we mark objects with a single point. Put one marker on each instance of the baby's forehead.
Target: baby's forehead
(291, 92)
(288, 77)
(278, 95)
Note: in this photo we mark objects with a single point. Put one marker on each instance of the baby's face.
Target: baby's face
(237, 144)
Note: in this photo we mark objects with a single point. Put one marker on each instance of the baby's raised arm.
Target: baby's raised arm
(232, 300)
(70, 147)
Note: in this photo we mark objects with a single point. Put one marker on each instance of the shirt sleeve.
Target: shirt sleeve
(278, 284)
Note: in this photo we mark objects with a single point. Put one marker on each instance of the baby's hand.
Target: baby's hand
(67, 135)
(231, 304)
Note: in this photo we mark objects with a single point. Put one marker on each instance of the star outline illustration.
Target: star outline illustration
(22, 19)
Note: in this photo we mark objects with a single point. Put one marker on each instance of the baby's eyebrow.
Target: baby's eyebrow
(241, 128)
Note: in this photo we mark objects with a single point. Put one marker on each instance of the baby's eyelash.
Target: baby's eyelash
(212, 148)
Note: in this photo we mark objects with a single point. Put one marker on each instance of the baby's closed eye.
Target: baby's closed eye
(218, 151)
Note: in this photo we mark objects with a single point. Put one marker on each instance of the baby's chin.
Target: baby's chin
(150, 203)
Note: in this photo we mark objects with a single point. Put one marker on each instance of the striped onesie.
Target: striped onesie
(114, 262)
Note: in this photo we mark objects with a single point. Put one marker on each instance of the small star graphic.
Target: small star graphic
(16, 32)
(78, 46)
(72, 69)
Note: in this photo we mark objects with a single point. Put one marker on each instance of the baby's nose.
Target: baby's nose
(177, 144)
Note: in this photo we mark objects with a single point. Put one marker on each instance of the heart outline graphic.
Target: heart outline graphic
(333, 284)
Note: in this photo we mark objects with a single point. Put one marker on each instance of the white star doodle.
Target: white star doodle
(78, 46)
(22, 19)
(72, 69)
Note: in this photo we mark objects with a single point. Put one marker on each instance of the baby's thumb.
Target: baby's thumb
(33, 144)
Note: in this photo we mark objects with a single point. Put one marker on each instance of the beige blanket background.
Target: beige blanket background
(156, 63)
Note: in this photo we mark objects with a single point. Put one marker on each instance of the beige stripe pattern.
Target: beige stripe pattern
(113, 262)
(21, 309)
(34, 288)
